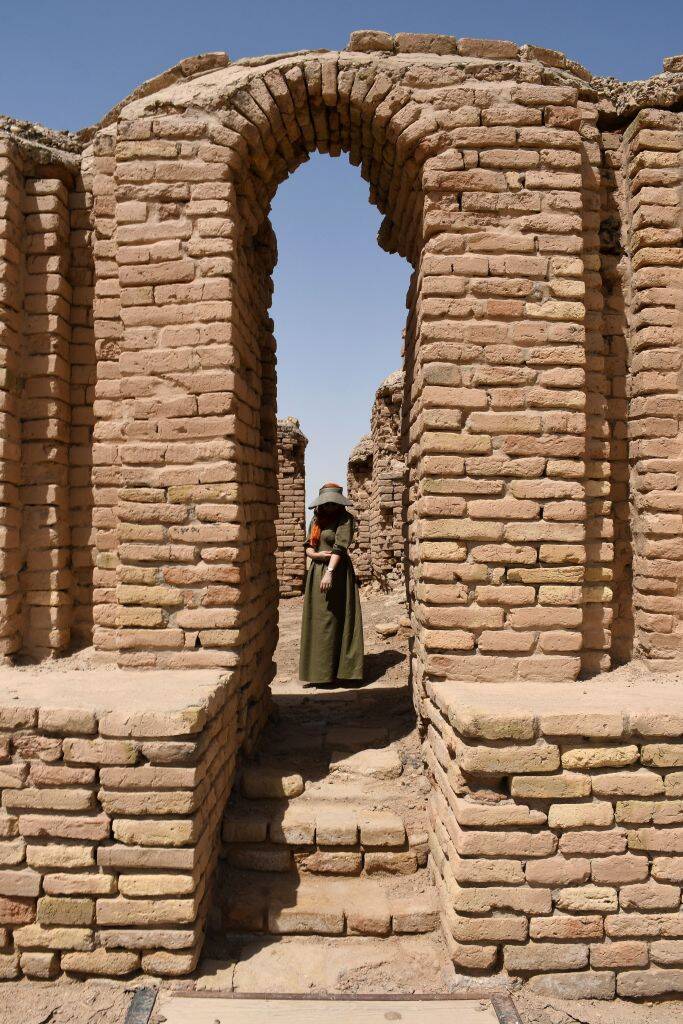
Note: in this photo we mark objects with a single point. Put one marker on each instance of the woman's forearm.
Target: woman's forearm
(318, 556)
(328, 575)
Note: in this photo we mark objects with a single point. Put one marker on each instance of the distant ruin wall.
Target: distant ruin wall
(377, 477)
(359, 485)
(290, 525)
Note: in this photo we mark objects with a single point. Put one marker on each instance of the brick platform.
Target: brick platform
(113, 786)
(557, 832)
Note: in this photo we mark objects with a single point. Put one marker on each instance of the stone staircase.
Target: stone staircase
(326, 833)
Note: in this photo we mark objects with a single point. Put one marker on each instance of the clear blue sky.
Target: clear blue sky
(339, 303)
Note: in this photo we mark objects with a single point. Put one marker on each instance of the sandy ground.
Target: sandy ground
(64, 1002)
(535, 1009)
(320, 964)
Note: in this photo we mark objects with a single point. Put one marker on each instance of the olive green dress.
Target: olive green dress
(332, 624)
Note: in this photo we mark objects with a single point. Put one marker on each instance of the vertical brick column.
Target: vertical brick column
(377, 480)
(11, 303)
(99, 166)
(82, 394)
(162, 445)
(290, 525)
(195, 536)
(653, 156)
(388, 482)
(605, 452)
(359, 483)
(614, 269)
(45, 578)
(498, 404)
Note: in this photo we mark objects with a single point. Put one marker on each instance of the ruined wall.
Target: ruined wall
(377, 477)
(359, 488)
(48, 361)
(389, 478)
(540, 210)
(290, 525)
(652, 158)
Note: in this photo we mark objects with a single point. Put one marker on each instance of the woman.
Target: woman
(332, 625)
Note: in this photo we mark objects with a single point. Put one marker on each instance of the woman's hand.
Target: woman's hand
(326, 581)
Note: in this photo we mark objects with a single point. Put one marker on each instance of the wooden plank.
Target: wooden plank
(182, 1010)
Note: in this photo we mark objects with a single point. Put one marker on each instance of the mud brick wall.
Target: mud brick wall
(109, 830)
(556, 840)
(652, 155)
(377, 478)
(82, 381)
(389, 476)
(48, 365)
(359, 489)
(539, 207)
(290, 525)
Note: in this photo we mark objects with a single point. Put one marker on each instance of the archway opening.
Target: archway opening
(327, 833)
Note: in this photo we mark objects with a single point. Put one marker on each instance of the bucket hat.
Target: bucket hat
(330, 494)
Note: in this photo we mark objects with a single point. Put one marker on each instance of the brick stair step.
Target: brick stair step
(382, 828)
(376, 763)
(305, 823)
(330, 862)
(326, 860)
(245, 824)
(259, 857)
(315, 905)
(355, 737)
(268, 782)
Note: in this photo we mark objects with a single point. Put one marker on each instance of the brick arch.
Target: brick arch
(328, 104)
(261, 114)
(497, 184)
(481, 170)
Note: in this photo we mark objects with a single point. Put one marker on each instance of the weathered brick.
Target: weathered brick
(558, 870)
(56, 910)
(650, 983)
(565, 786)
(587, 899)
(620, 870)
(104, 962)
(570, 985)
(537, 757)
(596, 814)
(543, 956)
(650, 895)
(586, 758)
